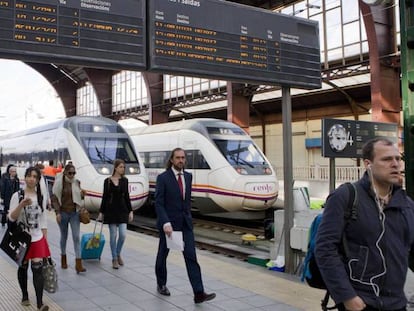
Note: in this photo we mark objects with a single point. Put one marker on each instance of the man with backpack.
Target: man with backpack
(363, 259)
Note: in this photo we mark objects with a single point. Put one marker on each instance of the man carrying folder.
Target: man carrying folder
(173, 206)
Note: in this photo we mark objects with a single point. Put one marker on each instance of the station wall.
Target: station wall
(302, 156)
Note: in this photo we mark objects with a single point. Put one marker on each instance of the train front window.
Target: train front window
(244, 156)
(106, 150)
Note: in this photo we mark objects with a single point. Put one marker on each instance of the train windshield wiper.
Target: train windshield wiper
(104, 158)
(246, 162)
(239, 161)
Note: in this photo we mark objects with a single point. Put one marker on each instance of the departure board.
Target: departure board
(345, 138)
(94, 33)
(230, 41)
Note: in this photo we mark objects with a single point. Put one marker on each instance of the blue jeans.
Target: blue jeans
(116, 246)
(72, 219)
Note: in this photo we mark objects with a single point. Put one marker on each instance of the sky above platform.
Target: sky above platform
(26, 98)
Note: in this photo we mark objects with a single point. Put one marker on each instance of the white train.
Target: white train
(90, 143)
(231, 176)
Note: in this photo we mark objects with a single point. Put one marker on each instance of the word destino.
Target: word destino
(187, 2)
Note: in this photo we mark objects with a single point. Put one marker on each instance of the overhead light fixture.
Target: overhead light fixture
(313, 6)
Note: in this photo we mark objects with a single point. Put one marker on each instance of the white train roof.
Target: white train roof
(198, 125)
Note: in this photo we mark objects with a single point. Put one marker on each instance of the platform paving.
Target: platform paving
(238, 285)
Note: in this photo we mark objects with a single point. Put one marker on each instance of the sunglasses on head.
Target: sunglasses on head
(71, 173)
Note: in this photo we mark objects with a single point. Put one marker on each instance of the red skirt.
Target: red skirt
(38, 249)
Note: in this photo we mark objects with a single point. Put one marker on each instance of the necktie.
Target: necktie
(180, 185)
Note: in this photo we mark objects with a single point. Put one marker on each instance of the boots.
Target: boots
(63, 262)
(79, 267)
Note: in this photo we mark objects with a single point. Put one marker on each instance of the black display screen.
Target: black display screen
(92, 33)
(345, 138)
(229, 41)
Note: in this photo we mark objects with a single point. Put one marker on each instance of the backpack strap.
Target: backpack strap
(325, 301)
(351, 213)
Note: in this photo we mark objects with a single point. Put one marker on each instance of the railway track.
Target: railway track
(215, 237)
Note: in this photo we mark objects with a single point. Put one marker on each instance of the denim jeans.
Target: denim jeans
(72, 219)
(116, 246)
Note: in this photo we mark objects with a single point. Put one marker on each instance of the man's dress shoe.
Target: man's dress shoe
(201, 297)
(163, 290)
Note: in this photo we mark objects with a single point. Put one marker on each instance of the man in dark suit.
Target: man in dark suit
(173, 206)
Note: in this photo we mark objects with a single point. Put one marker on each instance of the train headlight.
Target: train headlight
(104, 170)
(98, 129)
(241, 170)
(267, 171)
(133, 170)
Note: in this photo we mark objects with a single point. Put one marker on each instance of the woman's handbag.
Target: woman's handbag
(16, 242)
(84, 216)
(50, 277)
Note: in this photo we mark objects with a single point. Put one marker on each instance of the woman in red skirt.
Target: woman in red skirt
(31, 210)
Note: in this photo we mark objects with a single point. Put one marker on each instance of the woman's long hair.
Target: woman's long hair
(67, 168)
(117, 162)
(38, 191)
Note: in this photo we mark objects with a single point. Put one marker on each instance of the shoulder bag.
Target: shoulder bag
(16, 241)
(84, 216)
(50, 276)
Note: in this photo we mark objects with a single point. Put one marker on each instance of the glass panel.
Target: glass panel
(351, 33)
(363, 30)
(333, 28)
(105, 150)
(319, 19)
(335, 54)
(330, 4)
(350, 10)
(301, 10)
(288, 10)
(195, 160)
(180, 92)
(365, 47)
(225, 131)
(315, 7)
(352, 50)
(242, 153)
(155, 159)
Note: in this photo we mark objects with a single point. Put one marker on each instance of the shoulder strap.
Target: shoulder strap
(21, 195)
(351, 213)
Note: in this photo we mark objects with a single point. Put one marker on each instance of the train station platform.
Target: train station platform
(239, 285)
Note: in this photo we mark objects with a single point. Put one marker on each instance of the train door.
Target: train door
(190, 147)
(198, 166)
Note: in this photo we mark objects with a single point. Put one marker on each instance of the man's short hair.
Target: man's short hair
(368, 148)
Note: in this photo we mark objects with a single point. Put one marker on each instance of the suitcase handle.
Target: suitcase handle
(94, 229)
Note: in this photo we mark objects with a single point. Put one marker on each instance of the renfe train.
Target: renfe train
(231, 176)
(90, 143)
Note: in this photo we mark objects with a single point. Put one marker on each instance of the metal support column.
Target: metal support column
(288, 176)
(407, 85)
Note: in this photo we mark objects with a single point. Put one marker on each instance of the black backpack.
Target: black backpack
(311, 272)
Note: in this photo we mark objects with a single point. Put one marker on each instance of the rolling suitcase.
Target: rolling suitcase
(92, 244)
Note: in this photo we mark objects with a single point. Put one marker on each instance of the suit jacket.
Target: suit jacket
(169, 204)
